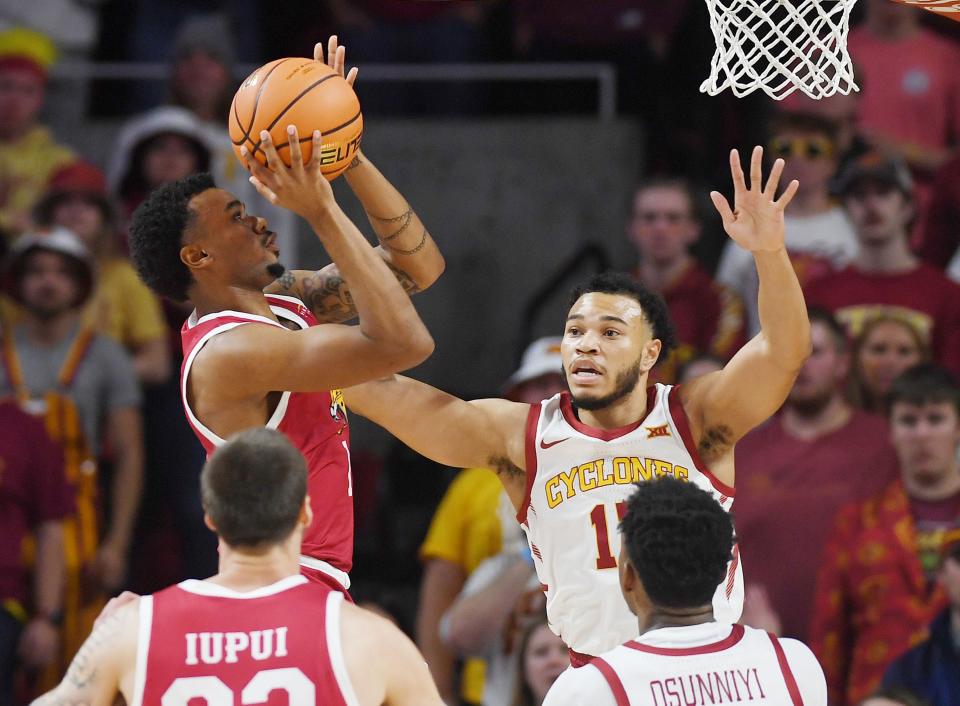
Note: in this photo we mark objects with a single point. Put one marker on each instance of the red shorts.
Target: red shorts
(317, 576)
(576, 658)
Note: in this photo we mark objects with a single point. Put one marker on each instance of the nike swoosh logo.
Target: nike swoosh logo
(545, 445)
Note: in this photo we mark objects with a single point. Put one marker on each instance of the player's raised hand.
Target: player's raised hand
(336, 58)
(756, 220)
(301, 187)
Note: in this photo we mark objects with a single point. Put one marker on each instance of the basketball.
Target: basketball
(301, 92)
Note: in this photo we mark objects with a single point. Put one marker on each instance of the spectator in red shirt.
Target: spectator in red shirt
(886, 347)
(876, 589)
(34, 498)
(709, 318)
(910, 99)
(795, 472)
(940, 234)
(886, 277)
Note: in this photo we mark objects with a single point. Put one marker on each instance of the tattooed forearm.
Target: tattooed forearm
(354, 163)
(287, 280)
(504, 467)
(80, 681)
(716, 441)
(327, 295)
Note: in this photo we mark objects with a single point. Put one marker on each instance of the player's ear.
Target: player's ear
(194, 256)
(306, 513)
(208, 521)
(651, 353)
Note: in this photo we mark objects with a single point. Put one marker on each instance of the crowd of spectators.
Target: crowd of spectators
(848, 506)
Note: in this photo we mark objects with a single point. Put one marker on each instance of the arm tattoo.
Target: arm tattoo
(412, 251)
(354, 163)
(327, 295)
(504, 467)
(82, 673)
(715, 442)
(287, 280)
(407, 218)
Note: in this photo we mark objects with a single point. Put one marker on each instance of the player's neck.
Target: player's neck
(806, 426)
(49, 332)
(892, 257)
(660, 275)
(248, 301)
(676, 618)
(624, 412)
(242, 570)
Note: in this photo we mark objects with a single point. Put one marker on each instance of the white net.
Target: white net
(780, 46)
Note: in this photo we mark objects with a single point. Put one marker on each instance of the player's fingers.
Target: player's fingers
(263, 190)
(756, 169)
(723, 207)
(332, 51)
(293, 140)
(773, 181)
(318, 51)
(316, 144)
(736, 171)
(340, 59)
(788, 194)
(270, 152)
(352, 76)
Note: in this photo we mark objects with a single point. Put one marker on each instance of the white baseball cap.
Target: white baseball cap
(541, 357)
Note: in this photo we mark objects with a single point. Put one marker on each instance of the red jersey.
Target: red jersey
(314, 422)
(203, 643)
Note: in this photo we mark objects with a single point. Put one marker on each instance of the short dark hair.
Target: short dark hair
(156, 235)
(653, 306)
(679, 540)
(922, 384)
(818, 315)
(677, 184)
(253, 488)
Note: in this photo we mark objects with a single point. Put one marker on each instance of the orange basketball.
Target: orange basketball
(301, 92)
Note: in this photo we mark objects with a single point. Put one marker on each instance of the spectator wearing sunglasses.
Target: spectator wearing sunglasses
(708, 317)
(819, 236)
(886, 278)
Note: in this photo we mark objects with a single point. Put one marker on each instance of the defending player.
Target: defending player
(256, 627)
(253, 352)
(570, 462)
(676, 545)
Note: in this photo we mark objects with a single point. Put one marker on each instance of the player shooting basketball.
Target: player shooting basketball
(254, 352)
(569, 462)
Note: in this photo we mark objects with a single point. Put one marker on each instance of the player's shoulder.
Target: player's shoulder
(806, 670)
(584, 685)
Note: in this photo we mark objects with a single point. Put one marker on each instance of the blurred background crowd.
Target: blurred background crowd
(539, 142)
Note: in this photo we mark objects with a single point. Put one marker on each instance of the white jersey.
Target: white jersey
(697, 665)
(578, 481)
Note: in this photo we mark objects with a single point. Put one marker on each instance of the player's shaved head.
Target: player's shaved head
(253, 488)
(679, 540)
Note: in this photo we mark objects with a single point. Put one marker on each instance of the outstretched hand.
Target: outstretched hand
(336, 58)
(756, 220)
(301, 188)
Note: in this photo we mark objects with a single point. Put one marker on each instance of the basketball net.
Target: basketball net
(780, 46)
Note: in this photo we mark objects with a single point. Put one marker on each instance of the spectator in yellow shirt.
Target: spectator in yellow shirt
(121, 306)
(469, 526)
(29, 156)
